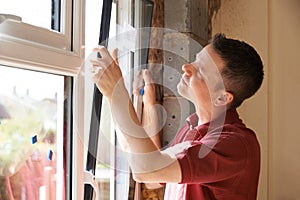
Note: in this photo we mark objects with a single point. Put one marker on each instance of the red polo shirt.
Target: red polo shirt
(227, 170)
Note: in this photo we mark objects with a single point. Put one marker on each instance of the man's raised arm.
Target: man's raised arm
(147, 162)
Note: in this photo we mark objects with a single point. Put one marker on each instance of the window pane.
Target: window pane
(35, 12)
(104, 172)
(31, 135)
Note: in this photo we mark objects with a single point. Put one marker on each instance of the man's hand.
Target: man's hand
(106, 72)
(149, 90)
(145, 87)
(150, 113)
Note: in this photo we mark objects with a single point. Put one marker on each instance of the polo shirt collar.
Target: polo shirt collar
(231, 117)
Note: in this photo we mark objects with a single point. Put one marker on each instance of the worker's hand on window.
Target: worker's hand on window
(144, 87)
(149, 89)
(106, 72)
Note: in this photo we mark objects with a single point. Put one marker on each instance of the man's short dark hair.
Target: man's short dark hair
(243, 71)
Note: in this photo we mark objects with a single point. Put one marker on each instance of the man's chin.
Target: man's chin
(180, 90)
(184, 95)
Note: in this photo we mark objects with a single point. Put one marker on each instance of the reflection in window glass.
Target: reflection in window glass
(31, 135)
(35, 12)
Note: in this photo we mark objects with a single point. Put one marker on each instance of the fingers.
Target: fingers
(147, 77)
(138, 83)
(97, 63)
(148, 90)
(115, 56)
(105, 59)
(102, 51)
(97, 69)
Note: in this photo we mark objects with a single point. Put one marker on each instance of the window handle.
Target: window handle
(89, 178)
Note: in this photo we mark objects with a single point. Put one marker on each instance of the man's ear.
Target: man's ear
(224, 99)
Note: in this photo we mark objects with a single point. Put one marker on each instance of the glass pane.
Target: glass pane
(143, 15)
(104, 156)
(31, 135)
(104, 172)
(112, 171)
(36, 12)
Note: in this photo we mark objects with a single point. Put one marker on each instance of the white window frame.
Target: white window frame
(30, 47)
(26, 46)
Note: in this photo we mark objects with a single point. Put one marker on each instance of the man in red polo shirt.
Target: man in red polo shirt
(214, 156)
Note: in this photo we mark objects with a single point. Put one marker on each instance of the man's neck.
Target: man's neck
(205, 116)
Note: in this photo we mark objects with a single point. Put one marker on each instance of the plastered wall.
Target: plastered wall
(284, 93)
(272, 27)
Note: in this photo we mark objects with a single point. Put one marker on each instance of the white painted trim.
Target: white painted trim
(26, 46)
(78, 139)
(30, 56)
